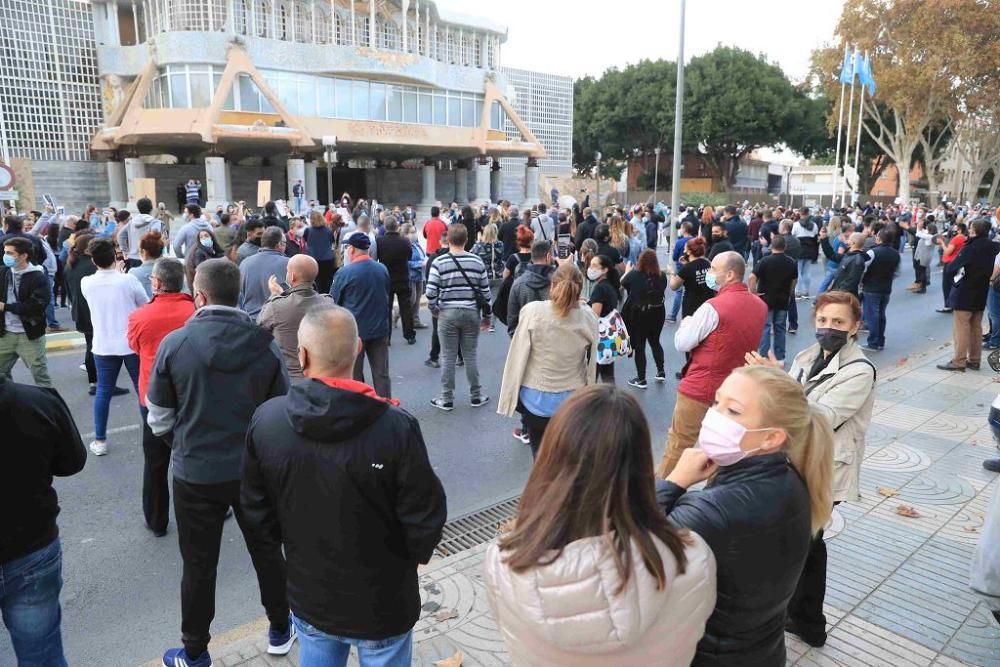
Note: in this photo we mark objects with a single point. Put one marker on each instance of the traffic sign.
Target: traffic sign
(7, 177)
(8, 195)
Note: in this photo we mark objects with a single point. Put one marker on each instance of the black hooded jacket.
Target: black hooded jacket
(531, 285)
(341, 479)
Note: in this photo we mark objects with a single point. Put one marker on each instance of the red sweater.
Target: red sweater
(149, 325)
(434, 229)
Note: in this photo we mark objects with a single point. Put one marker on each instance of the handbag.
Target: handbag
(613, 339)
(482, 303)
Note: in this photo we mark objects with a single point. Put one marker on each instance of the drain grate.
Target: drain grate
(476, 528)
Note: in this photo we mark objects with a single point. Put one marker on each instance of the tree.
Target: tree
(735, 102)
(977, 140)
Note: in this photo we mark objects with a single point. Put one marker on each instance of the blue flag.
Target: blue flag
(847, 68)
(859, 64)
(867, 78)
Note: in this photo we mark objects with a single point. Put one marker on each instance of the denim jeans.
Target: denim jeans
(459, 329)
(318, 649)
(50, 309)
(993, 308)
(775, 322)
(873, 307)
(108, 367)
(793, 313)
(827, 280)
(29, 600)
(675, 308)
(805, 276)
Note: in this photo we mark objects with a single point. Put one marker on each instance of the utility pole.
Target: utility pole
(597, 160)
(656, 174)
(675, 195)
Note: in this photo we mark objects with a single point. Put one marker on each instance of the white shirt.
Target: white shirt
(112, 297)
(696, 328)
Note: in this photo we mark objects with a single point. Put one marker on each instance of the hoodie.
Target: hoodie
(217, 349)
(531, 285)
(26, 295)
(131, 234)
(187, 237)
(341, 479)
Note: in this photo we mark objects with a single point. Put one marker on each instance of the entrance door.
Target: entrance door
(345, 179)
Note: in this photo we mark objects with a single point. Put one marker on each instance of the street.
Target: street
(121, 602)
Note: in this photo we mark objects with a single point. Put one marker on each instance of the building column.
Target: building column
(461, 183)
(531, 173)
(482, 180)
(296, 170)
(216, 189)
(229, 179)
(495, 188)
(428, 193)
(117, 185)
(134, 168)
(310, 182)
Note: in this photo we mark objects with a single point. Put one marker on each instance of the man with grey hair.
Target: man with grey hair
(168, 310)
(208, 379)
(256, 271)
(716, 339)
(355, 458)
(394, 253)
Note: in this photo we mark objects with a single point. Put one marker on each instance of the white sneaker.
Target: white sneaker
(98, 448)
(83, 367)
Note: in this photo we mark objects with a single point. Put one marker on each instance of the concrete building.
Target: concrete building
(411, 99)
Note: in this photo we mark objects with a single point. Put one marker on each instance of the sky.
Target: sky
(579, 37)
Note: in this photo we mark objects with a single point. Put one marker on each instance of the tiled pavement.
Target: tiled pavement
(897, 587)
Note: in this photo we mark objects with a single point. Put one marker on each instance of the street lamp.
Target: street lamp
(656, 174)
(330, 143)
(597, 159)
(675, 195)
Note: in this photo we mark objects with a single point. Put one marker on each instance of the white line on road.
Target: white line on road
(113, 431)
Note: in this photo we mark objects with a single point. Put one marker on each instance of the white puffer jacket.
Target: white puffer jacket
(567, 613)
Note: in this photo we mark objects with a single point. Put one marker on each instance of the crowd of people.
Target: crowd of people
(610, 560)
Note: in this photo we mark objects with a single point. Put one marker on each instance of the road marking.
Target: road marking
(113, 431)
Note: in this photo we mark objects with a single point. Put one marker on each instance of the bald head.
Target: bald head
(729, 268)
(857, 241)
(328, 342)
(302, 270)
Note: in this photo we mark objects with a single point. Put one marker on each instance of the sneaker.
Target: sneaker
(98, 448)
(793, 330)
(119, 391)
(460, 362)
(815, 640)
(951, 366)
(178, 657)
(419, 325)
(638, 383)
(56, 328)
(871, 348)
(479, 401)
(991, 346)
(92, 390)
(411, 341)
(83, 367)
(441, 404)
(280, 643)
(661, 376)
(993, 465)
(432, 363)
(671, 319)
(492, 329)
(522, 435)
(943, 310)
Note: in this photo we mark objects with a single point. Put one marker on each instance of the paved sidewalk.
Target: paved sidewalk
(897, 587)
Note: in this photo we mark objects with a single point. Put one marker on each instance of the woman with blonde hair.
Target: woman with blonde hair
(619, 234)
(553, 352)
(592, 573)
(769, 455)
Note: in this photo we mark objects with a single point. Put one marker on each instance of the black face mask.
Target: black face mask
(256, 242)
(831, 340)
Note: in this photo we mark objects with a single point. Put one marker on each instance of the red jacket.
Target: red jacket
(149, 325)
(741, 321)
(434, 229)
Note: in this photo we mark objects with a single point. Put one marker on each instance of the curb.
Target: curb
(67, 340)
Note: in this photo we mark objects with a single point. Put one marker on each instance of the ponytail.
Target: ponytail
(814, 461)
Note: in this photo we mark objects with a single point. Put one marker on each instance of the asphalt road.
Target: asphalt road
(121, 598)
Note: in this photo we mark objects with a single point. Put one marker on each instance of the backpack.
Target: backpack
(503, 294)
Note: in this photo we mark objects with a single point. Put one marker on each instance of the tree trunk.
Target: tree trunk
(994, 185)
(904, 183)
(934, 194)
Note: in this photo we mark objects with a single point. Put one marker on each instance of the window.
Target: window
(249, 97)
(263, 12)
(425, 114)
(440, 110)
(359, 91)
(469, 113)
(283, 24)
(201, 89)
(410, 106)
(241, 16)
(454, 111)
(395, 104)
(327, 108)
(343, 97)
(340, 34)
(307, 97)
(477, 51)
(322, 19)
(303, 22)
(179, 91)
(376, 103)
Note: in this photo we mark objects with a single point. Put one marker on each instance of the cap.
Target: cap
(359, 241)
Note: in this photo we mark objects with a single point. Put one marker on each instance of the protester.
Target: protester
(949, 248)
(283, 311)
(971, 271)
(352, 577)
(588, 250)
(187, 237)
(923, 254)
(851, 266)
(532, 284)
(434, 230)
(208, 248)
(876, 288)
(720, 241)
(256, 271)
(254, 230)
(458, 295)
(833, 241)
(217, 349)
(44, 443)
(591, 573)
(168, 310)
(151, 247)
(78, 266)
(718, 336)
(418, 260)
(130, 236)
(364, 288)
(806, 231)
(691, 276)
(767, 454)
(294, 245)
(111, 297)
(24, 296)
(793, 249)
(320, 241)
(603, 301)
(737, 231)
(605, 248)
(644, 313)
(774, 279)
(395, 252)
(686, 233)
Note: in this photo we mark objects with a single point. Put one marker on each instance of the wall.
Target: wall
(71, 184)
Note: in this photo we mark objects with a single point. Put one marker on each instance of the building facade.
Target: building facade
(389, 99)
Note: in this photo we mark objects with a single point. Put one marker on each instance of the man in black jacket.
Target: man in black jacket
(24, 295)
(335, 448)
(44, 443)
(532, 284)
(193, 404)
(585, 230)
(876, 288)
(970, 273)
(394, 252)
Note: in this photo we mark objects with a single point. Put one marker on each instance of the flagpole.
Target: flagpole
(857, 145)
(850, 114)
(840, 127)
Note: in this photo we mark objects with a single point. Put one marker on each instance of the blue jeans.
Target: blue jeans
(793, 313)
(827, 280)
(675, 308)
(993, 307)
(775, 321)
(805, 276)
(873, 307)
(318, 649)
(50, 309)
(29, 600)
(108, 367)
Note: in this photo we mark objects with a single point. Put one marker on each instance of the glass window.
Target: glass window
(230, 104)
(326, 106)
(410, 106)
(265, 106)
(496, 117)
(440, 110)
(343, 98)
(248, 94)
(426, 103)
(216, 80)
(178, 91)
(376, 105)
(395, 104)
(201, 93)
(307, 97)
(287, 94)
(454, 110)
(469, 113)
(359, 89)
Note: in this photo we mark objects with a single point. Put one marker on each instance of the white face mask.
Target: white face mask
(594, 274)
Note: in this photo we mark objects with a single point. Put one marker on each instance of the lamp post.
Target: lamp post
(656, 174)
(597, 159)
(330, 143)
(675, 195)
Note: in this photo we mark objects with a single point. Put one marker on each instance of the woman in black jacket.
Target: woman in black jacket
(769, 455)
(207, 248)
(79, 266)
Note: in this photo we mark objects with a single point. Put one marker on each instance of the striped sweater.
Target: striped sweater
(448, 288)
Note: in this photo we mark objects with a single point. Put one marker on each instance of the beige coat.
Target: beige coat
(845, 393)
(281, 316)
(548, 353)
(566, 613)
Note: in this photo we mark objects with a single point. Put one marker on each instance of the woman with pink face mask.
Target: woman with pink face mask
(768, 455)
